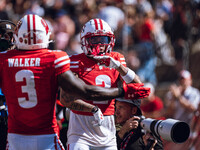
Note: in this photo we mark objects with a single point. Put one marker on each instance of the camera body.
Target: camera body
(169, 129)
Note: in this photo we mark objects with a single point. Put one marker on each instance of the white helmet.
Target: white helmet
(96, 28)
(32, 32)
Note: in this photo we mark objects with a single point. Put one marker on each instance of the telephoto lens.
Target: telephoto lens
(169, 129)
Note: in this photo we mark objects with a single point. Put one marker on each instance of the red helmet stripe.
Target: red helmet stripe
(34, 30)
(45, 25)
(101, 24)
(96, 24)
(28, 23)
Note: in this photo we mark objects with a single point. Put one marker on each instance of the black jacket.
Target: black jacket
(134, 141)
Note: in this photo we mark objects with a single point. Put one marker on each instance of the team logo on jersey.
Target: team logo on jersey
(87, 69)
(100, 67)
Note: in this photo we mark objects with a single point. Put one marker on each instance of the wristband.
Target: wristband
(128, 78)
(94, 109)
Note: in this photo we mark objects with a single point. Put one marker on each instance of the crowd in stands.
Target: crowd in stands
(160, 40)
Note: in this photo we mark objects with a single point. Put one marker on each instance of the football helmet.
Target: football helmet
(32, 32)
(6, 34)
(96, 33)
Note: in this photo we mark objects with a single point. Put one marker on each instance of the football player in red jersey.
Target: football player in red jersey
(30, 76)
(100, 66)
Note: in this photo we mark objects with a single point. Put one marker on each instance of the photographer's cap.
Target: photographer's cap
(136, 102)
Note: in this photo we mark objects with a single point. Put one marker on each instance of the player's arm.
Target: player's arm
(75, 104)
(77, 88)
(128, 74)
(80, 105)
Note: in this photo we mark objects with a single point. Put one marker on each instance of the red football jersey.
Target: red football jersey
(93, 74)
(29, 83)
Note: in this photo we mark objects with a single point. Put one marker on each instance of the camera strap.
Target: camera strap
(125, 141)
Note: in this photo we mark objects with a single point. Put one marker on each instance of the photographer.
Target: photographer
(130, 136)
(6, 43)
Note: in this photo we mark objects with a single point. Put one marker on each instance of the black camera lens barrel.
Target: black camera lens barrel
(180, 129)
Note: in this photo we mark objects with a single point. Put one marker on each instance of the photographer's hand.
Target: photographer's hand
(130, 124)
(149, 141)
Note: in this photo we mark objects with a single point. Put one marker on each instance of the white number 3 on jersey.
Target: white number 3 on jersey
(29, 88)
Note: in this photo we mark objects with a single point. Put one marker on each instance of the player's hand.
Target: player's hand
(135, 91)
(98, 116)
(107, 61)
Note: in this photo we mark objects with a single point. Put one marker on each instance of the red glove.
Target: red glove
(135, 91)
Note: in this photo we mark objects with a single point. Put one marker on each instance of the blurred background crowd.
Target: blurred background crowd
(160, 40)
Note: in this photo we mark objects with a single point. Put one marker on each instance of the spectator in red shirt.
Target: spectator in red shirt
(152, 106)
